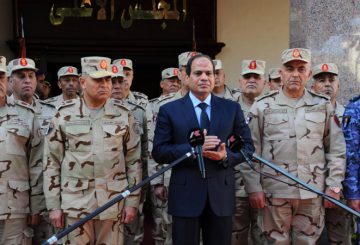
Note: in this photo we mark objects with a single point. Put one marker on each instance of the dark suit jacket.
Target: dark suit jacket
(188, 192)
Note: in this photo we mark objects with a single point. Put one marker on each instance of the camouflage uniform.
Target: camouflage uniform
(88, 160)
(140, 106)
(228, 93)
(56, 101)
(352, 138)
(20, 188)
(162, 233)
(306, 141)
(44, 113)
(245, 218)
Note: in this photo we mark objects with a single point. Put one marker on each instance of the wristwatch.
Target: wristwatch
(335, 189)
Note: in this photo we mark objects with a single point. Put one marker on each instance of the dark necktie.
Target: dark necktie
(204, 118)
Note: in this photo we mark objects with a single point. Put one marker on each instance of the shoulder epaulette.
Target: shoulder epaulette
(356, 98)
(138, 94)
(25, 105)
(132, 103)
(66, 103)
(45, 102)
(121, 104)
(235, 90)
(268, 94)
(166, 97)
(153, 100)
(49, 100)
(319, 95)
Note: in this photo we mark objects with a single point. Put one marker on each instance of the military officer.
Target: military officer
(220, 88)
(274, 81)
(68, 82)
(338, 222)
(170, 83)
(92, 154)
(245, 226)
(23, 83)
(19, 171)
(295, 129)
(134, 232)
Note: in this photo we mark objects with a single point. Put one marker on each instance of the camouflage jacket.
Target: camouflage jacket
(239, 181)
(228, 94)
(305, 140)
(19, 172)
(89, 160)
(56, 101)
(351, 127)
(44, 113)
(144, 119)
(153, 166)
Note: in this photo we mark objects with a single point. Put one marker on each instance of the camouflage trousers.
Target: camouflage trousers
(43, 230)
(339, 226)
(134, 232)
(245, 224)
(162, 231)
(105, 232)
(292, 221)
(15, 231)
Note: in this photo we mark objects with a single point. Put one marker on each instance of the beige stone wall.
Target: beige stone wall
(251, 30)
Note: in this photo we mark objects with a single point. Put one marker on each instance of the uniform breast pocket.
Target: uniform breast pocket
(17, 136)
(315, 124)
(113, 137)
(18, 196)
(75, 194)
(78, 137)
(276, 126)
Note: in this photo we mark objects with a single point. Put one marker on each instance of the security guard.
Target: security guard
(92, 154)
(351, 128)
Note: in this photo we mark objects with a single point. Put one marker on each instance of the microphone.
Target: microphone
(236, 143)
(196, 140)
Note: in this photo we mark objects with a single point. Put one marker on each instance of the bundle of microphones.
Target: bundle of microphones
(197, 138)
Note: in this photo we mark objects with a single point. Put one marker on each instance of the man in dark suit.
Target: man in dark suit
(196, 203)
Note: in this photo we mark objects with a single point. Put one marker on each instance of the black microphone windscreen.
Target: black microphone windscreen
(196, 137)
(234, 142)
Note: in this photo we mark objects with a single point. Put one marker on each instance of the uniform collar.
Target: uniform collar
(131, 97)
(305, 99)
(108, 107)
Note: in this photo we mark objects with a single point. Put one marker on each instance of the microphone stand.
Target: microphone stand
(118, 198)
(197, 153)
(299, 181)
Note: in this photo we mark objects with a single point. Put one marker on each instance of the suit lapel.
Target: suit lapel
(188, 112)
(216, 115)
